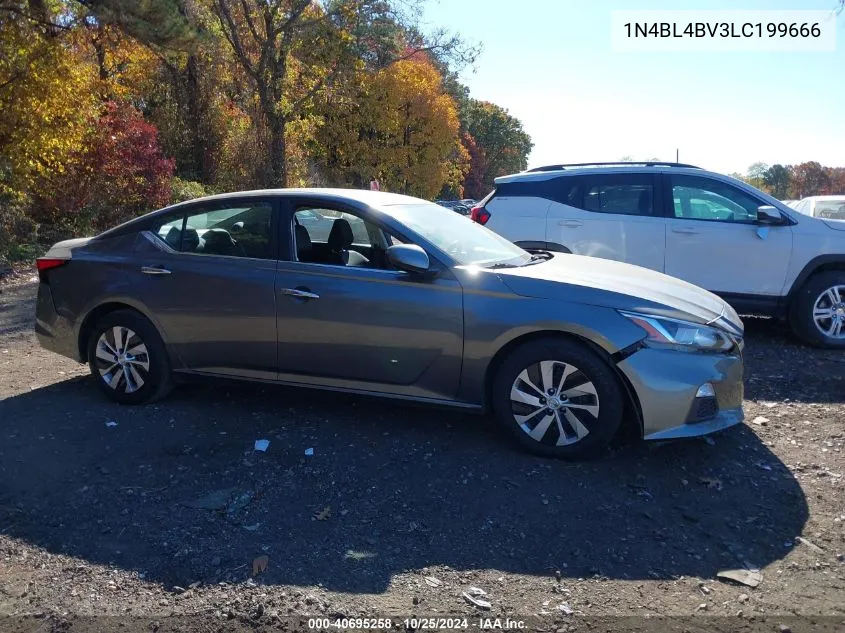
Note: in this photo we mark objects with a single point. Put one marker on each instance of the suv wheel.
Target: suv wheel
(558, 398)
(128, 359)
(818, 311)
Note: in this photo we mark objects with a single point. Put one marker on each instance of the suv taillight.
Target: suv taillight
(479, 214)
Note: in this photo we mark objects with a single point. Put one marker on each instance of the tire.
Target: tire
(820, 292)
(148, 369)
(595, 399)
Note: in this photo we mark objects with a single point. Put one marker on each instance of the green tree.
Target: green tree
(163, 24)
(755, 175)
(777, 180)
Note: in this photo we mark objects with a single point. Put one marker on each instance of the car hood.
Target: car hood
(613, 284)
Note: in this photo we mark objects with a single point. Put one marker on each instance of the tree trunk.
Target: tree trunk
(100, 52)
(194, 117)
(278, 168)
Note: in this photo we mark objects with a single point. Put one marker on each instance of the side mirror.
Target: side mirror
(767, 214)
(408, 257)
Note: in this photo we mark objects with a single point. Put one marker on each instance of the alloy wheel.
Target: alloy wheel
(122, 359)
(554, 402)
(829, 312)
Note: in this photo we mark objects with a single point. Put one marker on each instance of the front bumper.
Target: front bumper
(666, 381)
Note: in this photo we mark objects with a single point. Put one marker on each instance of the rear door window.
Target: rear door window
(622, 194)
(234, 230)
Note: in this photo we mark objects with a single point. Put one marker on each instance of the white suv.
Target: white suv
(714, 231)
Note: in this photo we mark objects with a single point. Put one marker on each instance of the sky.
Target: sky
(550, 63)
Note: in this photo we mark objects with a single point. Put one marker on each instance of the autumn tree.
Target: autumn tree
(120, 173)
(474, 186)
(400, 127)
(419, 122)
(836, 180)
(505, 144)
(808, 179)
(47, 98)
(294, 50)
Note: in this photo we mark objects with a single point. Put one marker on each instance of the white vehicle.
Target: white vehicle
(722, 234)
(830, 207)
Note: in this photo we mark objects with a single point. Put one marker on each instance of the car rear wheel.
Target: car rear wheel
(818, 311)
(558, 398)
(128, 359)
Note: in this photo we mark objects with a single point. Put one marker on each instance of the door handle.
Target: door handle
(571, 223)
(685, 231)
(299, 293)
(154, 270)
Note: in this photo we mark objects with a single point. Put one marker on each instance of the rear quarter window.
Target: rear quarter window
(563, 189)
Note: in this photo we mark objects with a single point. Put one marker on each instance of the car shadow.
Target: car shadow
(778, 366)
(177, 492)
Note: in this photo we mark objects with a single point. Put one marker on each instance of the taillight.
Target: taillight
(48, 263)
(479, 214)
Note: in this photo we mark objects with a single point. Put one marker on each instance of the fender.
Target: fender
(822, 262)
(128, 301)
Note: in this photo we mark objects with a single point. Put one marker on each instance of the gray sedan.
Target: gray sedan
(387, 295)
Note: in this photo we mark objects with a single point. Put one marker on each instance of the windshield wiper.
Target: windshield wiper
(501, 265)
(536, 258)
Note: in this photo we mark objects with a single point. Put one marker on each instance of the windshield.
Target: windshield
(830, 209)
(466, 241)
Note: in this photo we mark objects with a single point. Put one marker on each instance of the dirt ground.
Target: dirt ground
(167, 510)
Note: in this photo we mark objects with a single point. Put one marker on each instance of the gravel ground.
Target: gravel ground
(168, 510)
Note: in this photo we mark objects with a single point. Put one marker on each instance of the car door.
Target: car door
(713, 238)
(207, 274)
(613, 216)
(364, 326)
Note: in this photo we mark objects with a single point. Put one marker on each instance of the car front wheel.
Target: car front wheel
(558, 398)
(128, 359)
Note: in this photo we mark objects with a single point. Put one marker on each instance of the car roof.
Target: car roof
(555, 171)
(365, 196)
(381, 200)
(824, 198)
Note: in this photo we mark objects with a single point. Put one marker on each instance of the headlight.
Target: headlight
(665, 332)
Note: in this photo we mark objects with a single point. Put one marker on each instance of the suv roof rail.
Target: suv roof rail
(649, 163)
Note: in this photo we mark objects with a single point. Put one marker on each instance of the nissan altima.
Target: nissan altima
(383, 294)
